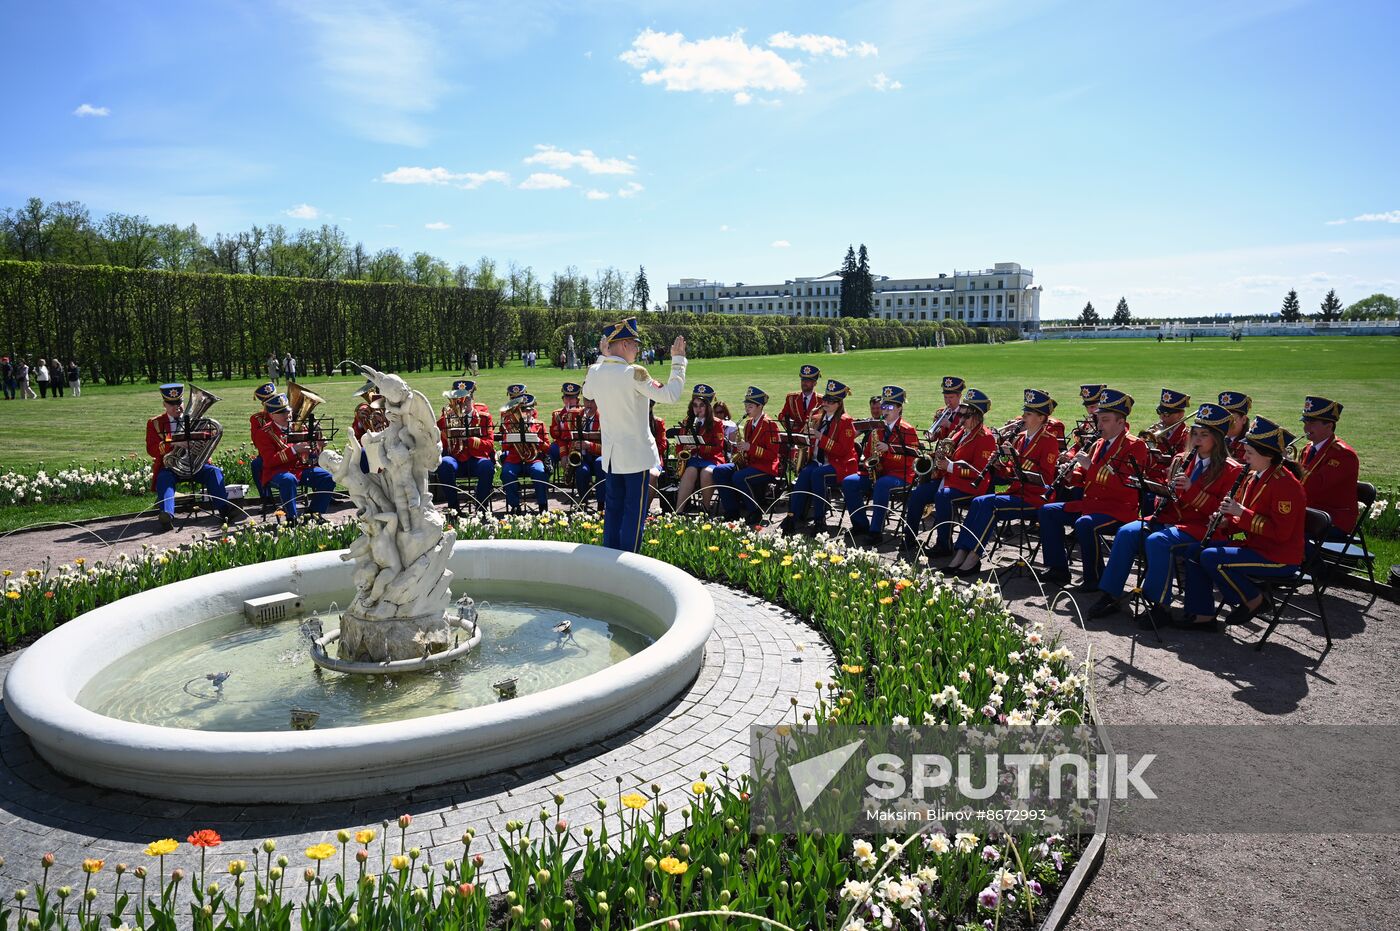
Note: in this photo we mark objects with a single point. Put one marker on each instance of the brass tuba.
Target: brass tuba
(199, 434)
(302, 424)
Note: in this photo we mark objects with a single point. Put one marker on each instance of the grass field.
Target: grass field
(1277, 372)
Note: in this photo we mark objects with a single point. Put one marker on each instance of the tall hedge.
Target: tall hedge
(131, 325)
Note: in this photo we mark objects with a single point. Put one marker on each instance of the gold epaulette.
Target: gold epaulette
(640, 373)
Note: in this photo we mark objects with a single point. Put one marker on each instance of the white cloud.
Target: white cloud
(724, 227)
(816, 45)
(551, 157)
(1390, 216)
(882, 82)
(1258, 282)
(544, 181)
(781, 244)
(720, 64)
(632, 189)
(1338, 250)
(1068, 290)
(303, 212)
(742, 98)
(467, 180)
(381, 63)
(88, 109)
(595, 194)
(437, 225)
(1335, 222)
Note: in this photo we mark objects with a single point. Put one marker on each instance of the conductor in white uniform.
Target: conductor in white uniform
(622, 390)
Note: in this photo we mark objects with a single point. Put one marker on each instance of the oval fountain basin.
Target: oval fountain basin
(442, 731)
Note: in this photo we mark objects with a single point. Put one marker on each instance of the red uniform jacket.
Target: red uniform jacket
(1192, 509)
(1038, 455)
(480, 445)
(658, 433)
(1055, 428)
(1174, 443)
(764, 449)
(1104, 479)
(512, 450)
(711, 445)
(277, 454)
(591, 423)
(836, 443)
(895, 462)
(1275, 511)
(951, 423)
(158, 430)
(970, 461)
(1237, 446)
(1329, 478)
(561, 428)
(796, 409)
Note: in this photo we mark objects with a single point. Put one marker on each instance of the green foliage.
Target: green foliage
(1088, 316)
(1291, 312)
(1331, 308)
(1375, 307)
(1121, 315)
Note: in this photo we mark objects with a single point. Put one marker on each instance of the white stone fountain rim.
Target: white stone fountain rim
(40, 691)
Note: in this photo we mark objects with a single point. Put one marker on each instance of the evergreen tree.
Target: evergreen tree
(848, 282)
(1291, 311)
(585, 296)
(1122, 316)
(1089, 316)
(865, 285)
(641, 291)
(1331, 306)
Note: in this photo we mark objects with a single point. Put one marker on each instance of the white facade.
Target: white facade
(1004, 295)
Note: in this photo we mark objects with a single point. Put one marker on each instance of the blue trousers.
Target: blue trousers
(1227, 568)
(539, 478)
(256, 466)
(553, 455)
(1087, 527)
(855, 487)
(1127, 543)
(730, 479)
(809, 491)
(625, 510)
(983, 514)
(591, 474)
(480, 468)
(211, 477)
(943, 499)
(1164, 548)
(286, 484)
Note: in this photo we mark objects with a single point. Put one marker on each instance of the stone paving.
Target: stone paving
(752, 670)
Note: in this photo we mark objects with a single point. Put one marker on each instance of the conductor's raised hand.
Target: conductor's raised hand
(603, 346)
(678, 346)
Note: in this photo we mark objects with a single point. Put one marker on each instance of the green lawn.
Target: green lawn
(1276, 372)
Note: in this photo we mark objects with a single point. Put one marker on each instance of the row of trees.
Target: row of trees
(66, 232)
(1122, 316)
(137, 324)
(1375, 307)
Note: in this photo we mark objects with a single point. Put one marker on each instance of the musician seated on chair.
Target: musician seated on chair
(468, 447)
(833, 457)
(888, 463)
(1260, 536)
(523, 458)
(1110, 500)
(1169, 436)
(799, 406)
(1083, 435)
(960, 476)
(262, 394)
(1027, 461)
(287, 465)
(946, 421)
(562, 424)
(590, 474)
(756, 463)
(702, 457)
(663, 448)
(1238, 404)
(167, 434)
(1330, 467)
(1199, 478)
(876, 412)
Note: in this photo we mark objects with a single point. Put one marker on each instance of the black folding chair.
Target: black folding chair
(1346, 554)
(1312, 574)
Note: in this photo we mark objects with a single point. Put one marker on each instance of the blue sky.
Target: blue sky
(1195, 157)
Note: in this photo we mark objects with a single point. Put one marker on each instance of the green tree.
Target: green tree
(641, 290)
(864, 296)
(1089, 316)
(1122, 316)
(1331, 306)
(1291, 312)
(585, 296)
(1375, 307)
(849, 272)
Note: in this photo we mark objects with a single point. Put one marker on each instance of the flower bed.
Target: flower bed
(910, 647)
(128, 476)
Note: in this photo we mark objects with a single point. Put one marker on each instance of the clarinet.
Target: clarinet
(1219, 515)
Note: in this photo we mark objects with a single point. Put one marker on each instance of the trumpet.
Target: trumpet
(1009, 429)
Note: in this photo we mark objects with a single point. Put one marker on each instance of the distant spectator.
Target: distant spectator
(58, 378)
(75, 379)
(472, 364)
(41, 375)
(7, 377)
(289, 368)
(25, 392)
(273, 367)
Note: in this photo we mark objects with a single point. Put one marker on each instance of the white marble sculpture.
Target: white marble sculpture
(401, 577)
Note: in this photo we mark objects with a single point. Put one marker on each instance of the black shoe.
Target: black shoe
(1243, 614)
(967, 572)
(1156, 617)
(811, 530)
(939, 552)
(1185, 623)
(167, 522)
(1105, 606)
(789, 525)
(1087, 586)
(908, 545)
(1055, 576)
(873, 539)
